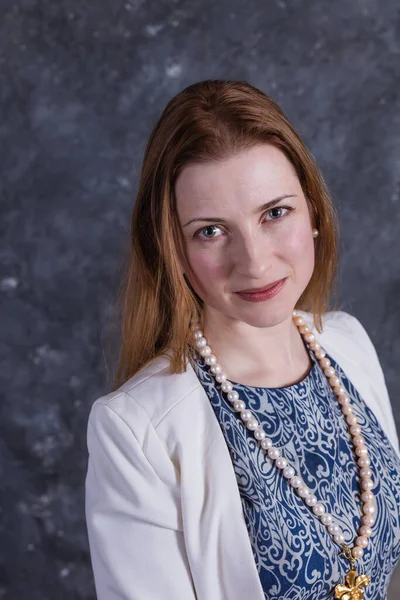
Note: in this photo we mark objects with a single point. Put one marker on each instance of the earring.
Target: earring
(315, 233)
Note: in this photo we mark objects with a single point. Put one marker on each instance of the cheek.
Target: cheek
(300, 238)
(299, 247)
(204, 263)
(206, 271)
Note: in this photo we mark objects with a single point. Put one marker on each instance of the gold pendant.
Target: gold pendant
(351, 590)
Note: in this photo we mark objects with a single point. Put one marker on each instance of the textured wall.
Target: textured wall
(81, 85)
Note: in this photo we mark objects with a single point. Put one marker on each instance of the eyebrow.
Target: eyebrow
(261, 208)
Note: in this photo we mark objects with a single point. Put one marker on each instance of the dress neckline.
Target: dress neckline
(310, 373)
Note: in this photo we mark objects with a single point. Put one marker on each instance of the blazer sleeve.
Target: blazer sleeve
(136, 541)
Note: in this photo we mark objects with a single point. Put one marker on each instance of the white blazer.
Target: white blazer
(163, 508)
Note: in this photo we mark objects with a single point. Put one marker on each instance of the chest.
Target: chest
(294, 554)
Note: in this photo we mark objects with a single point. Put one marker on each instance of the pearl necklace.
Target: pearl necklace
(368, 505)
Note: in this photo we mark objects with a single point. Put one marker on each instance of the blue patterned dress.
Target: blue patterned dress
(296, 557)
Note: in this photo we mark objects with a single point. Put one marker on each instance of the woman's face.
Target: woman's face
(234, 242)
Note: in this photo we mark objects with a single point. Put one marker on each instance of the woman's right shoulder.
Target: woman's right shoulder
(149, 394)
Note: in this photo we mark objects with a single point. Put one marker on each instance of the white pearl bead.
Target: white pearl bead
(311, 500)
(239, 405)
(232, 396)
(288, 472)
(226, 387)
(365, 531)
(369, 509)
(295, 313)
(330, 372)
(364, 461)
(198, 334)
(296, 481)
(334, 381)
(201, 342)
(309, 337)
(367, 496)
(357, 552)
(361, 451)
(333, 528)
(368, 520)
(210, 360)
(246, 415)
(220, 377)
(339, 538)
(299, 321)
(318, 509)
(347, 409)
(216, 368)
(304, 329)
(367, 484)
(358, 440)
(339, 390)
(351, 419)
(324, 362)
(303, 491)
(362, 541)
(281, 463)
(274, 453)
(259, 434)
(315, 346)
(355, 430)
(326, 519)
(319, 354)
(205, 351)
(266, 443)
(365, 472)
(343, 399)
(252, 424)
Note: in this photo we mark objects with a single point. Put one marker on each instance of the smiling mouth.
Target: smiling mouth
(260, 290)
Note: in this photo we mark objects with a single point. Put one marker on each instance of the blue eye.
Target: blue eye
(278, 208)
(204, 229)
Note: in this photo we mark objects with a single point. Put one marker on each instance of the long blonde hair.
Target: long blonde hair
(209, 120)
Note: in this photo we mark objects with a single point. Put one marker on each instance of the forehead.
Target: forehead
(259, 173)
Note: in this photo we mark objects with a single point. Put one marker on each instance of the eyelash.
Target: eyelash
(196, 234)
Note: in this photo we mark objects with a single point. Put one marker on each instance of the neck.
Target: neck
(272, 356)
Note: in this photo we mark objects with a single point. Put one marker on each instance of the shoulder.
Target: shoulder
(148, 396)
(346, 339)
(342, 331)
(334, 321)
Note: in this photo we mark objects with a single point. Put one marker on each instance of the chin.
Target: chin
(264, 316)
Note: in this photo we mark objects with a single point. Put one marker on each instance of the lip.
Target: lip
(270, 291)
(261, 289)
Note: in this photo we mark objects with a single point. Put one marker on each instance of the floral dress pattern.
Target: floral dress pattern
(296, 557)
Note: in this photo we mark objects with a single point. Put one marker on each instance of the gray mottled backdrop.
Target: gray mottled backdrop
(81, 85)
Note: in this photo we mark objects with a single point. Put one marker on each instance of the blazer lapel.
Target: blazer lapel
(217, 543)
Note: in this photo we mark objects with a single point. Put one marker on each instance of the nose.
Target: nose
(252, 258)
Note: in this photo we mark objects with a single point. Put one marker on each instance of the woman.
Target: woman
(248, 449)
